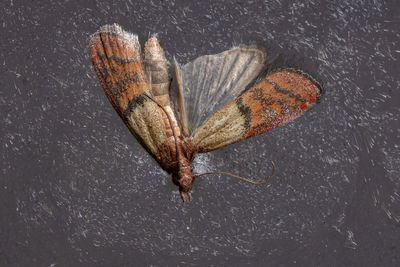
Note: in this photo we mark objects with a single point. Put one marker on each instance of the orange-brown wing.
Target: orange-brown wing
(274, 101)
(116, 59)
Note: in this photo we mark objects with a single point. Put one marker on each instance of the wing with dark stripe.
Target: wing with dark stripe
(210, 82)
(116, 59)
(276, 100)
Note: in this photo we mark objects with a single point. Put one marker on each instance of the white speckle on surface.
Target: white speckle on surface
(350, 243)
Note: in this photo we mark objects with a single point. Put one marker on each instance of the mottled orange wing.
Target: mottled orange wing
(274, 101)
(116, 59)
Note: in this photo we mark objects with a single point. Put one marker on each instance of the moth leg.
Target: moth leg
(182, 195)
(189, 194)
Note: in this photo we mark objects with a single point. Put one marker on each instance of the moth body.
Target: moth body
(156, 66)
(211, 111)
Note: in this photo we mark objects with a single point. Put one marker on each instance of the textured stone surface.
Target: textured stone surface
(77, 189)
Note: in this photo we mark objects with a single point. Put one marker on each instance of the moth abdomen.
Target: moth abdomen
(156, 66)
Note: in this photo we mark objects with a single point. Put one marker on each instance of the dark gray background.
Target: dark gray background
(78, 190)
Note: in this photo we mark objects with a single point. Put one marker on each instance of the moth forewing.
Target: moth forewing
(117, 66)
(116, 57)
(279, 98)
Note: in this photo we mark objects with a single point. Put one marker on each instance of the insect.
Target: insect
(210, 111)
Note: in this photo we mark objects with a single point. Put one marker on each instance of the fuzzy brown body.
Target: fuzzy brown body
(156, 66)
(139, 91)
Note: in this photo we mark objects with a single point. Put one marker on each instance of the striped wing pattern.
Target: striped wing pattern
(279, 98)
(116, 58)
(210, 82)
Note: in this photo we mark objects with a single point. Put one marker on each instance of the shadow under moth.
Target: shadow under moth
(210, 110)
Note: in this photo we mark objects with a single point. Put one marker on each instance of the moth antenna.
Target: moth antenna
(239, 177)
(181, 99)
(173, 128)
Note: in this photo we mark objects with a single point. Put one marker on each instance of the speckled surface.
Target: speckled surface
(78, 190)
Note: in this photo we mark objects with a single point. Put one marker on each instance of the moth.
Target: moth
(210, 110)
